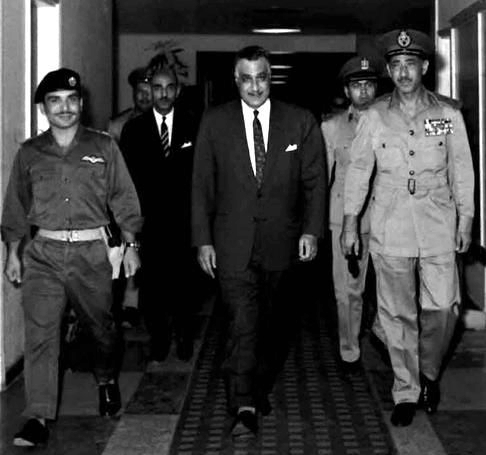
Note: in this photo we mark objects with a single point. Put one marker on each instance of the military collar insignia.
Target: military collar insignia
(72, 81)
(403, 39)
(365, 64)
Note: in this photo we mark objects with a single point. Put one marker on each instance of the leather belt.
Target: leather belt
(72, 235)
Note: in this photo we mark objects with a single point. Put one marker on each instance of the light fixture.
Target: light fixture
(280, 67)
(278, 82)
(276, 30)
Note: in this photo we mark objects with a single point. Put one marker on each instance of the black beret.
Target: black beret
(358, 68)
(406, 41)
(61, 79)
(138, 75)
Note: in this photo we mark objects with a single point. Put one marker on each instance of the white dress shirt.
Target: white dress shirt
(169, 121)
(264, 117)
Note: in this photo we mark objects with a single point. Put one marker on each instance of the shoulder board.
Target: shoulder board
(456, 104)
(385, 98)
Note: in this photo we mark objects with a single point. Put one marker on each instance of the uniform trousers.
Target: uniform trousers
(259, 329)
(349, 296)
(418, 332)
(55, 272)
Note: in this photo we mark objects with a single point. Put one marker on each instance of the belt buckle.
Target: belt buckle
(72, 236)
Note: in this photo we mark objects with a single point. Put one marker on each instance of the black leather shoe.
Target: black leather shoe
(33, 434)
(110, 400)
(351, 368)
(403, 414)
(245, 425)
(429, 395)
(185, 349)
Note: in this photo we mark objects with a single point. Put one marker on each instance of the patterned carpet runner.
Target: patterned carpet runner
(316, 408)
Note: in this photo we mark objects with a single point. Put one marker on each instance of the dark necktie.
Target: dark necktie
(259, 149)
(164, 137)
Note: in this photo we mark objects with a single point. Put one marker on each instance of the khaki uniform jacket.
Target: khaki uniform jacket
(339, 132)
(423, 190)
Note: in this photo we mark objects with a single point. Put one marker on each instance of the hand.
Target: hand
(131, 262)
(13, 269)
(307, 247)
(349, 243)
(463, 241)
(206, 256)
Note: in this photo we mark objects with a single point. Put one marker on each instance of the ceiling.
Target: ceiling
(239, 16)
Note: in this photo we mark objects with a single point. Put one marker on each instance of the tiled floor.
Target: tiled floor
(153, 403)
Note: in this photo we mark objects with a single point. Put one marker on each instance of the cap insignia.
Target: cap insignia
(72, 81)
(365, 64)
(403, 39)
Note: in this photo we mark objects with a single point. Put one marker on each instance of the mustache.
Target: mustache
(404, 79)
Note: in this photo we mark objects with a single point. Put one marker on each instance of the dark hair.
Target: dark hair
(163, 69)
(251, 53)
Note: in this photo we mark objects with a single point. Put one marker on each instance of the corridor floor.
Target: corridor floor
(180, 410)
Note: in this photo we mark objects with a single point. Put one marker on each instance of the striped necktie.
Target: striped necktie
(259, 149)
(164, 137)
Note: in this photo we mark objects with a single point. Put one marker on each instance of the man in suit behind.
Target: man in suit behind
(158, 149)
(258, 205)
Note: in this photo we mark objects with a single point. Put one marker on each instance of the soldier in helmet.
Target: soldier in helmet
(359, 76)
(421, 213)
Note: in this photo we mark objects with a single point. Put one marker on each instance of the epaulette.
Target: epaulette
(386, 97)
(456, 104)
(94, 130)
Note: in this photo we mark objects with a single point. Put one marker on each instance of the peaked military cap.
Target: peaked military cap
(138, 75)
(358, 68)
(406, 41)
(61, 79)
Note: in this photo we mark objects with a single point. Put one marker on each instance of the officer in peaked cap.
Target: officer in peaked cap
(407, 41)
(139, 80)
(61, 79)
(421, 216)
(138, 75)
(358, 68)
(359, 76)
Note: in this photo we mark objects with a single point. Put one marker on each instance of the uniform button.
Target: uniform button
(411, 153)
(66, 199)
(411, 172)
(412, 132)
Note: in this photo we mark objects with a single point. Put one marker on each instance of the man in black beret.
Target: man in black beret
(63, 184)
(421, 213)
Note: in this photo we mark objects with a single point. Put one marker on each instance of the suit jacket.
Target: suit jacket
(163, 183)
(226, 203)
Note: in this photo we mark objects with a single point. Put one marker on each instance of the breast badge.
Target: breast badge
(438, 126)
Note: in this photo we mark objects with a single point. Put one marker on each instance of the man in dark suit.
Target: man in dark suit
(258, 205)
(158, 148)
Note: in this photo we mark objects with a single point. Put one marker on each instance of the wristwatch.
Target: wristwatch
(135, 245)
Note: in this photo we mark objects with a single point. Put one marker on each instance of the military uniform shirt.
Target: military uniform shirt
(339, 132)
(55, 189)
(423, 189)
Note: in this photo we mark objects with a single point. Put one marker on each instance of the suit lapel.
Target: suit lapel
(153, 131)
(276, 138)
(242, 153)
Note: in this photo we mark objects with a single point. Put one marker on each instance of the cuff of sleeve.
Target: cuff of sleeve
(465, 223)
(350, 223)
